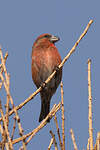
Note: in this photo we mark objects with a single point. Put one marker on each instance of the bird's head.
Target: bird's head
(46, 39)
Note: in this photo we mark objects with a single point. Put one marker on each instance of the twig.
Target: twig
(6, 85)
(3, 134)
(98, 141)
(5, 58)
(63, 118)
(51, 142)
(15, 111)
(51, 76)
(7, 103)
(73, 139)
(0, 85)
(13, 130)
(3, 66)
(1, 130)
(43, 123)
(90, 106)
(88, 144)
(5, 126)
(3, 61)
(54, 140)
(58, 132)
(7, 146)
(25, 102)
(97, 145)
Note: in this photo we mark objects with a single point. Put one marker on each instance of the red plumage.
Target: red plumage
(45, 59)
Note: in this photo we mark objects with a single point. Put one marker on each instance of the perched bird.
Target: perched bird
(45, 59)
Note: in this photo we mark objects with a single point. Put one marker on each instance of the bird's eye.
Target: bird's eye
(47, 36)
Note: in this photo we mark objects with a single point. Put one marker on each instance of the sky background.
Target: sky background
(20, 24)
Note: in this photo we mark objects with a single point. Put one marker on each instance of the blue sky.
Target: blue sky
(20, 24)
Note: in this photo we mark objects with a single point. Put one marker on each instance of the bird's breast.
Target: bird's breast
(44, 62)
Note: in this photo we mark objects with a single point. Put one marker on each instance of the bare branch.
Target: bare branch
(5, 126)
(63, 117)
(73, 139)
(43, 123)
(88, 144)
(90, 106)
(54, 140)
(51, 142)
(58, 132)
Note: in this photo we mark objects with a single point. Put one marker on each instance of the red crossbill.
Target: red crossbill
(45, 59)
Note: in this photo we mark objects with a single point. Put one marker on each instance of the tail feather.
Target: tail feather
(45, 108)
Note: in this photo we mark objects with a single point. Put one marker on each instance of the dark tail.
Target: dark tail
(45, 108)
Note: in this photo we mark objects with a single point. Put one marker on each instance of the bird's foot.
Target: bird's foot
(48, 120)
(43, 85)
(57, 68)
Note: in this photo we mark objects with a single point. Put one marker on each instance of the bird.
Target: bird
(45, 59)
